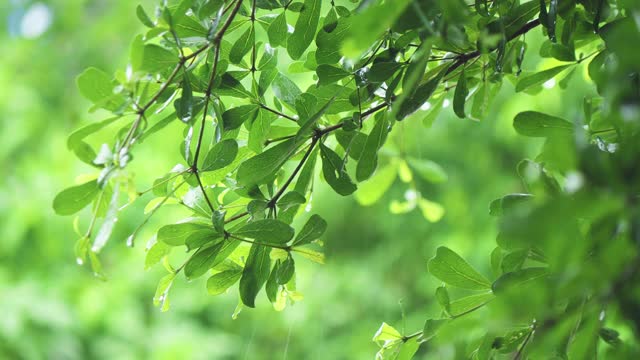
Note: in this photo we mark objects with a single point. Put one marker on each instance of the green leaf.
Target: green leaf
(266, 231)
(415, 71)
(285, 271)
(259, 131)
(306, 175)
(233, 118)
(271, 287)
(539, 78)
(95, 85)
(328, 74)
(220, 155)
(310, 254)
(428, 170)
(335, 173)
(71, 200)
(536, 124)
(255, 274)
(500, 206)
(421, 95)
(369, 158)
(381, 71)
(442, 295)
(460, 95)
(242, 46)
(432, 211)
(517, 278)
(453, 270)
(431, 328)
(220, 282)
(156, 59)
(312, 230)
(161, 298)
(75, 139)
(185, 109)
(408, 349)
(305, 29)
(143, 17)
(330, 42)
(330, 20)
(210, 7)
(373, 189)
(285, 90)
(467, 304)
(177, 234)
(155, 254)
(203, 260)
(386, 333)
(370, 24)
(269, 59)
(610, 336)
(277, 31)
(291, 200)
(432, 114)
(261, 167)
(230, 86)
(307, 125)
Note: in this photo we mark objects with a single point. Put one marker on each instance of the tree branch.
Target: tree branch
(461, 59)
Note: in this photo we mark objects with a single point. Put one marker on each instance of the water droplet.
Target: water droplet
(130, 241)
(410, 195)
(425, 106)
(549, 84)
(79, 261)
(573, 182)
(446, 103)
(602, 314)
(36, 21)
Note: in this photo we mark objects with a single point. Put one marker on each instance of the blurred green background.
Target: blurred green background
(376, 261)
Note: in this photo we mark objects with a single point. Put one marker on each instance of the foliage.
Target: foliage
(566, 253)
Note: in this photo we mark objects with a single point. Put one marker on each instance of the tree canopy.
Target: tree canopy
(276, 97)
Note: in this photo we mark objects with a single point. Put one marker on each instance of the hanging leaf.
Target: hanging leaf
(328, 74)
(539, 78)
(220, 282)
(335, 173)
(305, 28)
(369, 158)
(420, 96)
(267, 231)
(536, 124)
(255, 274)
(259, 168)
(311, 231)
(235, 117)
(460, 95)
(71, 200)
(242, 46)
(453, 270)
(277, 31)
(220, 155)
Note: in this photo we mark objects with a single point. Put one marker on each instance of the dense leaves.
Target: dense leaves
(252, 134)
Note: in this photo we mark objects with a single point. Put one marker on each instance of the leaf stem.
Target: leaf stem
(282, 247)
(463, 58)
(278, 113)
(284, 187)
(373, 110)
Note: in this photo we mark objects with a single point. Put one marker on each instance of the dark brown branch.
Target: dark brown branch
(295, 172)
(461, 59)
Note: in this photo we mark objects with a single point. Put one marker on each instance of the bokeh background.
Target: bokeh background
(51, 308)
